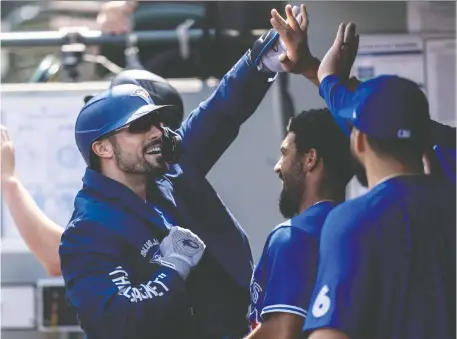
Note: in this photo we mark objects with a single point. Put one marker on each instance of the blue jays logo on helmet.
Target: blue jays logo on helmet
(143, 94)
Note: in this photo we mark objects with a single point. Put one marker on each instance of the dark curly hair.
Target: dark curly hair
(316, 129)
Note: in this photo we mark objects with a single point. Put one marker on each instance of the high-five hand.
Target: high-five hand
(294, 35)
(340, 57)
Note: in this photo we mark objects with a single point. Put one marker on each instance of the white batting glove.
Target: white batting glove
(181, 250)
(269, 61)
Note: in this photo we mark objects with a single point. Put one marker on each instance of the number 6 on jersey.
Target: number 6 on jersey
(322, 303)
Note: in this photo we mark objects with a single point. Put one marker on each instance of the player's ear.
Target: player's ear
(358, 141)
(310, 160)
(426, 163)
(103, 149)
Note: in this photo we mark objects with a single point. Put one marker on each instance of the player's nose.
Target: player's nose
(154, 133)
(277, 167)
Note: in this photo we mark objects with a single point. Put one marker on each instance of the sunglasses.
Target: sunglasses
(144, 124)
(139, 126)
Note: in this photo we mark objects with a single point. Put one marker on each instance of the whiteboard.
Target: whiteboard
(18, 307)
(441, 76)
(41, 125)
(399, 54)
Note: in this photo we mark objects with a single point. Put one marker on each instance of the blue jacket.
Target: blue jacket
(107, 247)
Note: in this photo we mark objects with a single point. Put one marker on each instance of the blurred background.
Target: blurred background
(53, 54)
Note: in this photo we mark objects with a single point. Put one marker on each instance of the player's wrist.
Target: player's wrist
(311, 67)
(177, 264)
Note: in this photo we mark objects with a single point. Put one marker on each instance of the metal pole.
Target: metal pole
(93, 37)
(32, 39)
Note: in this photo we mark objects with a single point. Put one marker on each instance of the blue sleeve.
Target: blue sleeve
(210, 129)
(292, 256)
(336, 96)
(344, 284)
(443, 140)
(443, 135)
(108, 303)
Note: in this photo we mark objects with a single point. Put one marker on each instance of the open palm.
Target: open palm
(294, 34)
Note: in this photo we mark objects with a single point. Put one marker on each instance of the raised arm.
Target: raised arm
(41, 234)
(213, 126)
(210, 129)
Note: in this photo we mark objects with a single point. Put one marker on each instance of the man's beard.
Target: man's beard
(130, 164)
(292, 191)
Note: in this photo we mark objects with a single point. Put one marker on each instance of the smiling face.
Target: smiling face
(136, 148)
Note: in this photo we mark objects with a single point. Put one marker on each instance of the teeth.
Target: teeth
(155, 149)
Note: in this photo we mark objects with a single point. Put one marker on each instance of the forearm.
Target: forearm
(337, 96)
(210, 129)
(279, 326)
(111, 306)
(262, 332)
(327, 333)
(40, 233)
(311, 73)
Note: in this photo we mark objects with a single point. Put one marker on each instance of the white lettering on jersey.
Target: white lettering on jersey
(151, 289)
(322, 303)
(255, 291)
(148, 245)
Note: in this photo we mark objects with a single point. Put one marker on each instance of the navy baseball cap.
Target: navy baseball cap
(389, 107)
(110, 111)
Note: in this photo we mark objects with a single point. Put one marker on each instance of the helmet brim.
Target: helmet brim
(145, 110)
(138, 114)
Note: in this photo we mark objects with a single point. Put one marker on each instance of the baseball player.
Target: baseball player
(127, 254)
(315, 168)
(387, 258)
(40, 233)
(439, 156)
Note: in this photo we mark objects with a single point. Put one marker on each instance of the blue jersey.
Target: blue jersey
(284, 277)
(387, 265)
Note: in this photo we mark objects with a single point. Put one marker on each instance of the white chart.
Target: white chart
(41, 125)
(441, 75)
(400, 55)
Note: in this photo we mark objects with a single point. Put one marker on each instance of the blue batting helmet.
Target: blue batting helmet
(157, 87)
(110, 111)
